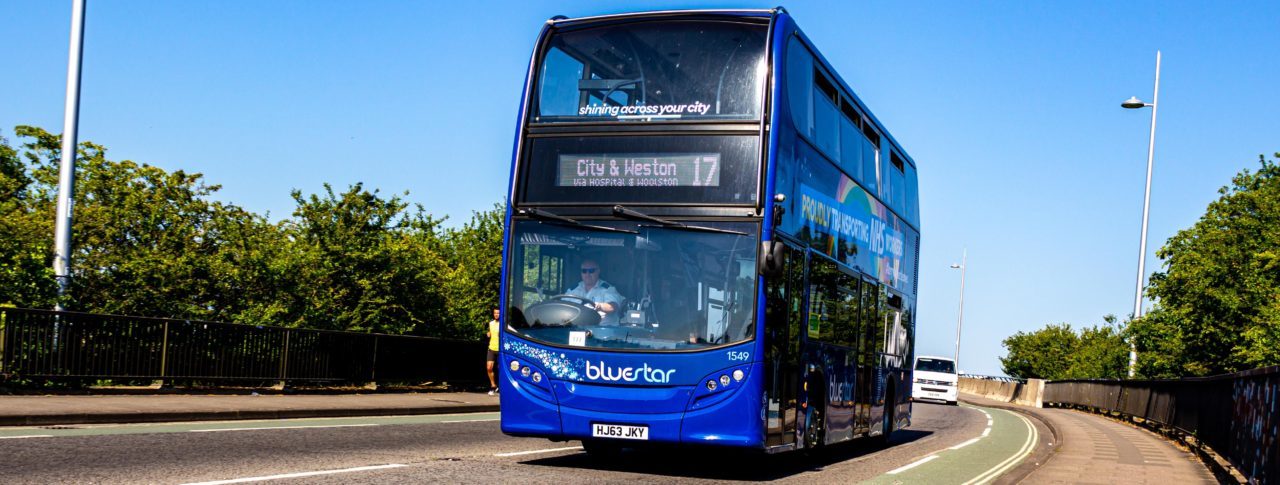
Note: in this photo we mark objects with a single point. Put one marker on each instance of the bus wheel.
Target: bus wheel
(890, 409)
(815, 426)
(601, 450)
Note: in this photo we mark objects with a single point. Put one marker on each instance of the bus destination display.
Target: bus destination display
(640, 170)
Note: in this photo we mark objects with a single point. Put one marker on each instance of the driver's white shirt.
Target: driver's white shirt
(602, 292)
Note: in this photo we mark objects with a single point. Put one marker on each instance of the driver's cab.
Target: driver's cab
(674, 289)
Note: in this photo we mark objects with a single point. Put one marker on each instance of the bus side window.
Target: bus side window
(851, 139)
(800, 86)
(897, 183)
(826, 115)
(870, 158)
(847, 311)
(912, 195)
(821, 298)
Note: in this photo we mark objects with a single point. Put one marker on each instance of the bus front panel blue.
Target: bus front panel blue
(711, 397)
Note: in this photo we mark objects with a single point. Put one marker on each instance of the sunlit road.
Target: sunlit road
(469, 448)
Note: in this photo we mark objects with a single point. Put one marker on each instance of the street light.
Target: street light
(1135, 103)
(964, 257)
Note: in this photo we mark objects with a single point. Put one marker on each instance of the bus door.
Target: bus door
(895, 345)
(864, 394)
(785, 302)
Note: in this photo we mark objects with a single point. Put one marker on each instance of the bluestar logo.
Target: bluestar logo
(629, 374)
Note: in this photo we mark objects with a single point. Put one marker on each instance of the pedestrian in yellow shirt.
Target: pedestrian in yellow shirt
(492, 333)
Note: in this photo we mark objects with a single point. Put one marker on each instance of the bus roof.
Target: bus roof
(561, 20)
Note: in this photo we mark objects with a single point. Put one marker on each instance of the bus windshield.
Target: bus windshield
(640, 286)
(644, 71)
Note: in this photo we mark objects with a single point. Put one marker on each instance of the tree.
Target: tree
(1218, 295)
(146, 241)
(1058, 352)
(26, 236)
(474, 255)
(1043, 354)
(152, 242)
(360, 262)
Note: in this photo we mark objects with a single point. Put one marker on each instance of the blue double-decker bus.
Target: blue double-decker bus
(710, 241)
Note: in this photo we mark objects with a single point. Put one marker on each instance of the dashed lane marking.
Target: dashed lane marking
(215, 430)
(533, 452)
(967, 443)
(26, 436)
(914, 464)
(300, 474)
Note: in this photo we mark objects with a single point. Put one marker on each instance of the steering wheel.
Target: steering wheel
(580, 300)
(562, 311)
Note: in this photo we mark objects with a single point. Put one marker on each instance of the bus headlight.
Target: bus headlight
(737, 375)
(711, 385)
(537, 377)
(724, 380)
(515, 365)
(524, 372)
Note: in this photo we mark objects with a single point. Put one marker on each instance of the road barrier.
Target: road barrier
(1234, 415)
(1026, 393)
(72, 345)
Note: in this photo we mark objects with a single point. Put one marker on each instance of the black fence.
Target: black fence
(1235, 415)
(70, 345)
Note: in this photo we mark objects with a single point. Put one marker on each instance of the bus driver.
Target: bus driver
(606, 297)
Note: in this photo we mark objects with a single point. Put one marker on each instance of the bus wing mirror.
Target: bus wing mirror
(771, 258)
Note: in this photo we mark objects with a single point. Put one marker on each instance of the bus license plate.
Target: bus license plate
(620, 431)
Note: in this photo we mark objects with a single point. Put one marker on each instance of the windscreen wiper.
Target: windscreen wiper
(621, 211)
(547, 216)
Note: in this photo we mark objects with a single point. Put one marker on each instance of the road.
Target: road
(470, 449)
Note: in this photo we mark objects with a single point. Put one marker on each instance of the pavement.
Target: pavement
(50, 410)
(1087, 448)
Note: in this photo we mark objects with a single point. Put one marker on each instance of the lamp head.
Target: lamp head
(1133, 103)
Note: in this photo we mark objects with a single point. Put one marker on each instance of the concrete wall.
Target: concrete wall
(1030, 393)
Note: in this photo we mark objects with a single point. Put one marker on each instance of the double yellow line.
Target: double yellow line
(1028, 446)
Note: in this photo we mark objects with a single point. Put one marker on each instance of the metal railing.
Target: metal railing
(66, 345)
(1235, 415)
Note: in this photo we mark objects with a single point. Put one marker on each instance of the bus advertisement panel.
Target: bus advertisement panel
(833, 214)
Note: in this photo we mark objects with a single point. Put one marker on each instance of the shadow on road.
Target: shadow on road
(721, 464)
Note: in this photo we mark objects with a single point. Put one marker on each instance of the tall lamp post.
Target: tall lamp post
(1135, 103)
(964, 257)
(67, 166)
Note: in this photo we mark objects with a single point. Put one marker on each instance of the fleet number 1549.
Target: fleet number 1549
(736, 356)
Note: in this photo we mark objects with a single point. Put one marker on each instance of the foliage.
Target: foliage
(1218, 295)
(26, 234)
(152, 242)
(1058, 352)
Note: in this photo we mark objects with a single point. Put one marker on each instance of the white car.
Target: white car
(935, 380)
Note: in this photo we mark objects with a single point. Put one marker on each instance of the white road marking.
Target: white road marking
(986, 432)
(962, 445)
(917, 463)
(301, 474)
(280, 427)
(471, 420)
(26, 436)
(532, 452)
(1027, 447)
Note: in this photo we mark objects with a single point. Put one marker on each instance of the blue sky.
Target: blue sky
(1011, 109)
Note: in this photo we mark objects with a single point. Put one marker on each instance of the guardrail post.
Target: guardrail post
(4, 350)
(373, 367)
(164, 358)
(284, 363)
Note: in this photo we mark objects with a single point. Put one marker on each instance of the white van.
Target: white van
(935, 380)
